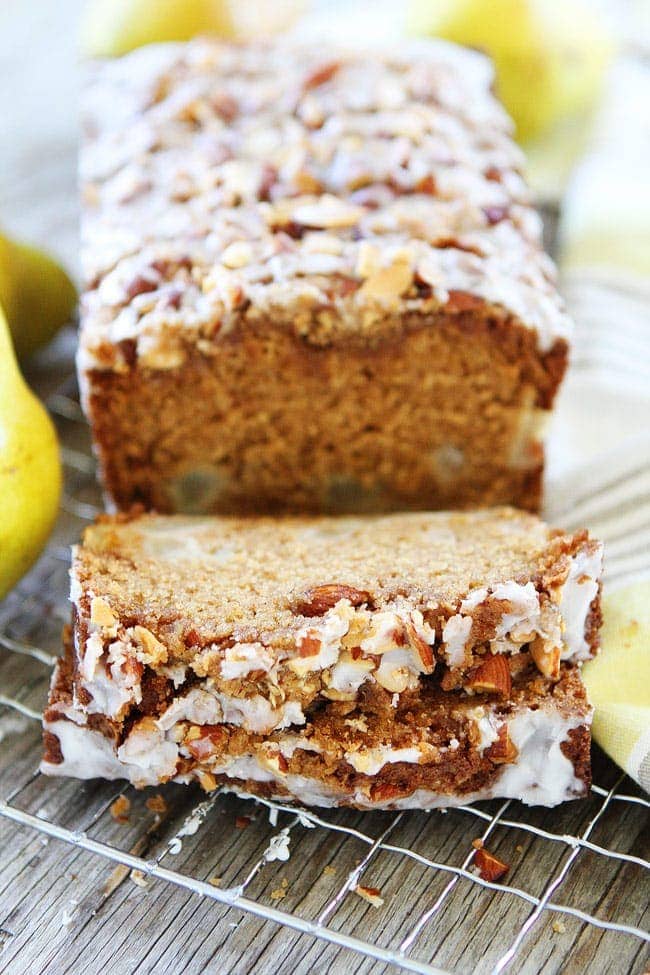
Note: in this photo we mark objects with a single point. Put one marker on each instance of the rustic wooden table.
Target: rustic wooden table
(70, 902)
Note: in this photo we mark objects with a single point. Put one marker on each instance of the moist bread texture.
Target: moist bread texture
(347, 646)
(314, 281)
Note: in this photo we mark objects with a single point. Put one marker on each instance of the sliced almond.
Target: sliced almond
(367, 260)
(491, 677)
(327, 211)
(370, 894)
(421, 647)
(306, 182)
(490, 868)
(502, 751)
(207, 781)
(321, 74)
(388, 283)
(463, 301)
(101, 614)
(155, 652)
(547, 658)
(120, 810)
(318, 600)
(309, 646)
(237, 254)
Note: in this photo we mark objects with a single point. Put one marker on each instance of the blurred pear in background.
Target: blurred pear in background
(36, 295)
(114, 27)
(550, 55)
(30, 470)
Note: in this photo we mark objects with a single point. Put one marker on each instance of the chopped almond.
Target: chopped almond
(492, 676)
(421, 647)
(207, 781)
(318, 600)
(370, 894)
(490, 868)
(546, 658)
(156, 804)
(309, 646)
(322, 74)
(120, 810)
(502, 751)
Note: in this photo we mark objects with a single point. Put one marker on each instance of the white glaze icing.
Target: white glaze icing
(578, 592)
(240, 659)
(370, 760)
(562, 622)
(541, 775)
(455, 635)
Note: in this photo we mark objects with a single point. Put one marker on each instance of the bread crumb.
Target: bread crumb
(281, 891)
(519, 848)
(477, 844)
(559, 927)
(215, 881)
(156, 804)
(370, 894)
(329, 871)
(139, 878)
(120, 810)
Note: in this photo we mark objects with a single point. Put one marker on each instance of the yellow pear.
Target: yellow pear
(36, 295)
(30, 470)
(549, 55)
(114, 27)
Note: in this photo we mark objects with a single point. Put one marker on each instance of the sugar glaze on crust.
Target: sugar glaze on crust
(424, 752)
(333, 191)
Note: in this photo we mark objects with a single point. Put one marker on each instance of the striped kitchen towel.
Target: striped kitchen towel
(599, 457)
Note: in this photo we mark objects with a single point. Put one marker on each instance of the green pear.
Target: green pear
(36, 295)
(550, 55)
(30, 470)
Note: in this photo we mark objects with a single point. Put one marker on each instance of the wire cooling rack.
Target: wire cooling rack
(576, 895)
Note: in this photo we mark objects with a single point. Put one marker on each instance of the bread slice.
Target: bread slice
(277, 630)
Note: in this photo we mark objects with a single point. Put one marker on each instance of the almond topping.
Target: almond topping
(156, 804)
(318, 600)
(463, 301)
(322, 74)
(207, 780)
(421, 647)
(327, 211)
(309, 646)
(388, 283)
(156, 652)
(370, 894)
(489, 867)
(367, 260)
(491, 677)
(120, 810)
(237, 254)
(547, 658)
(502, 751)
(101, 613)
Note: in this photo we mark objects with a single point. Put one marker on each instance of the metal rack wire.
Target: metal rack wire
(48, 600)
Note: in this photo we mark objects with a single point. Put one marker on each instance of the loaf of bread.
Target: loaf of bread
(314, 282)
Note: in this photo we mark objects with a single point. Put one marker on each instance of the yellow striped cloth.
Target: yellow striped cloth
(600, 452)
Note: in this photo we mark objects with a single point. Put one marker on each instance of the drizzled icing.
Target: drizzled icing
(222, 182)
